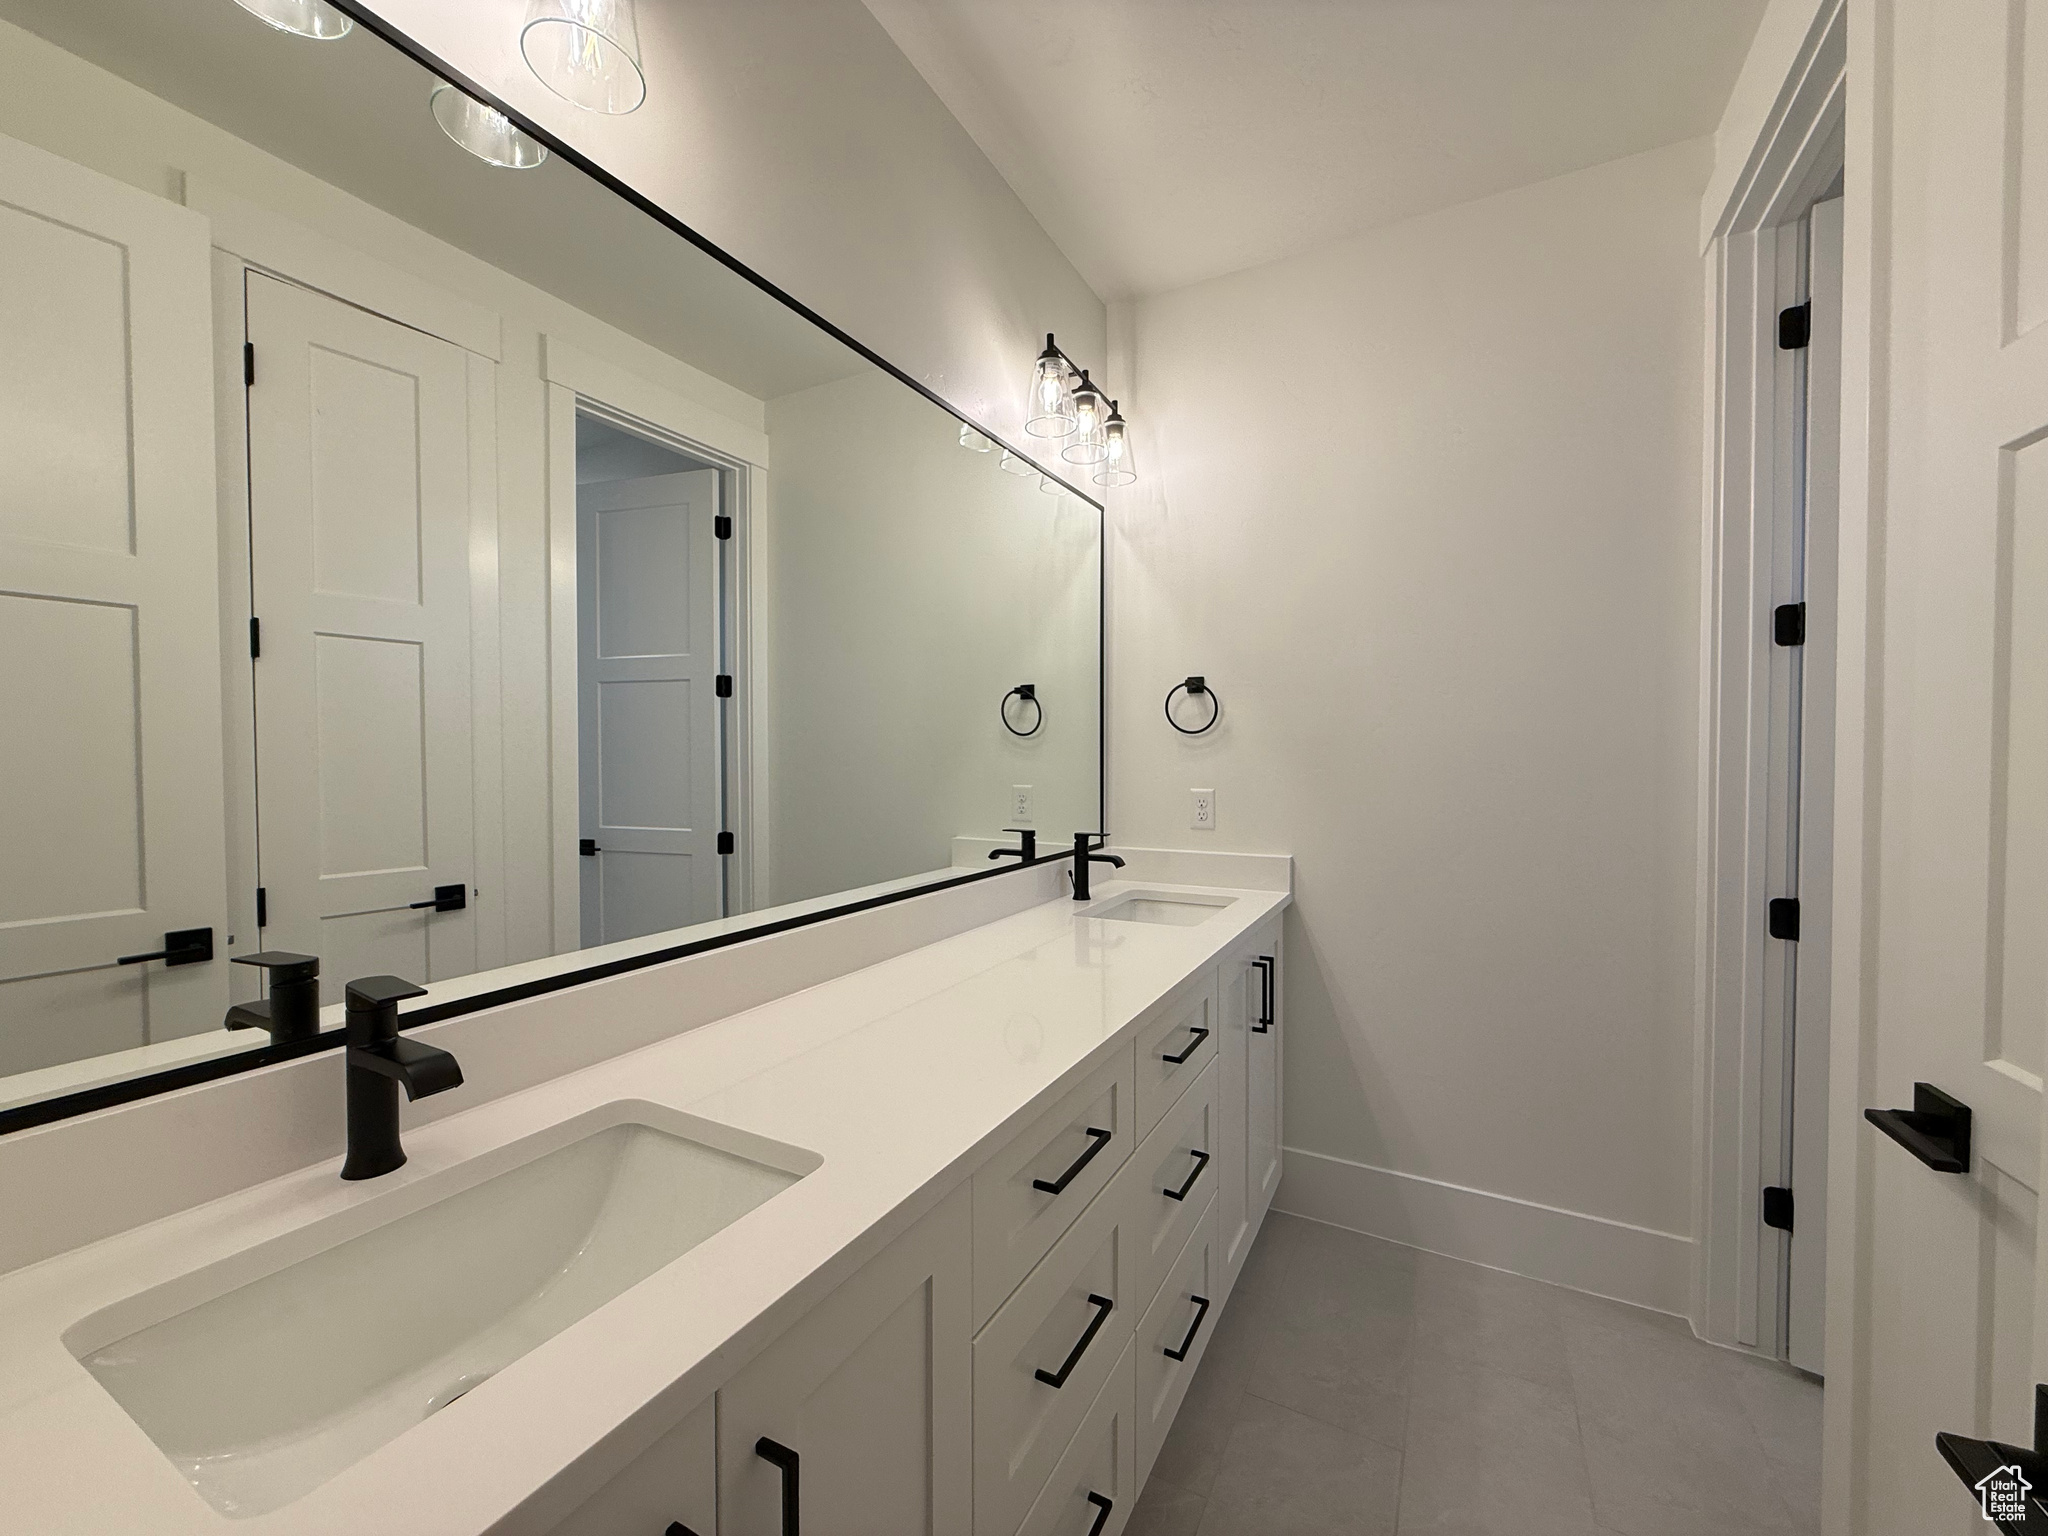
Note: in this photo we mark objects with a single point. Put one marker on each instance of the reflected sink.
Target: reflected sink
(260, 1389)
(1175, 911)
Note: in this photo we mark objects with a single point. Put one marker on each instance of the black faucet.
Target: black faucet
(1083, 857)
(1026, 853)
(378, 1062)
(292, 1011)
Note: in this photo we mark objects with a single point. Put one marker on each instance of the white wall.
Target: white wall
(1429, 521)
(795, 135)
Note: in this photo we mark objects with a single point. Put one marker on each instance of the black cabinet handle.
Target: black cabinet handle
(779, 1455)
(1200, 1034)
(1102, 1508)
(1265, 1021)
(1059, 1185)
(182, 946)
(1936, 1129)
(1201, 1162)
(446, 898)
(1188, 1343)
(1059, 1378)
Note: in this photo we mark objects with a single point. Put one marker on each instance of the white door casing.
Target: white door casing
(360, 462)
(110, 764)
(647, 712)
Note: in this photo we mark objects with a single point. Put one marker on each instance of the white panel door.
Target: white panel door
(1955, 894)
(359, 492)
(647, 713)
(110, 758)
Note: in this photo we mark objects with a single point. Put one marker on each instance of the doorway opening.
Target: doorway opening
(652, 680)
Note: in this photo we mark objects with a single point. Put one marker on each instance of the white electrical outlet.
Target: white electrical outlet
(1202, 809)
(1020, 805)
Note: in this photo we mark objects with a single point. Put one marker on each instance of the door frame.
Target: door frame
(580, 383)
(1755, 267)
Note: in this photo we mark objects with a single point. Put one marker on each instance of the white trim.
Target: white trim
(622, 390)
(291, 250)
(1766, 137)
(1587, 1253)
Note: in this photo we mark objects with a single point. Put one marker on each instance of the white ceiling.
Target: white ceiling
(1161, 142)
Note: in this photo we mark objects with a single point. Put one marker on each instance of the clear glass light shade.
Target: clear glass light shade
(1016, 464)
(1052, 400)
(1050, 486)
(484, 131)
(302, 18)
(1115, 466)
(586, 51)
(973, 441)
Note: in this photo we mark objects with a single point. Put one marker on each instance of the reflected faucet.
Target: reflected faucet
(1084, 856)
(292, 1011)
(378, 1063)
(1026, 853)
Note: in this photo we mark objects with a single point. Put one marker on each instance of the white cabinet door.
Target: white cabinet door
(1262, 1077)
(647, 710)
(860, 1413)
(1237, 1008)
(110, 759)
(669, 1490)
(359, 491)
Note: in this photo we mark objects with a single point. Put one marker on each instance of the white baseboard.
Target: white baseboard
(1587, 1253)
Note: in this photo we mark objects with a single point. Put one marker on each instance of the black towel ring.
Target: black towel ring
(1028, 692)
(1195, 687)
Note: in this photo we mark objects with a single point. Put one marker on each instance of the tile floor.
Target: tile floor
(1355, 1386)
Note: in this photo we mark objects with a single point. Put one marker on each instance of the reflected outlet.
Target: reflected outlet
(1202, 809)
(1020, 805)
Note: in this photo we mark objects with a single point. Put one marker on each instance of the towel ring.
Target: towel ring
(1028, 692)
(1195, 687)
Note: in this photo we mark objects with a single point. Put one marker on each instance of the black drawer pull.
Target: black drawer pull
(779, 1455)
(1265, 1019)
(1188, 1343)
(1103, 1507)
(1201, 1162)
(1936, 1129)
(1059, 1185)
(1194, 1045)
(1060, 1379)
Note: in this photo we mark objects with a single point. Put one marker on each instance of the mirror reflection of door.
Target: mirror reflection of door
(359, 486)
(647, 664)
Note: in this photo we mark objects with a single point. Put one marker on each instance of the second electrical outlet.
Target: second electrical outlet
(1202, 809)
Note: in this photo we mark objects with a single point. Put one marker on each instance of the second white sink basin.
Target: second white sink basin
(261, 1389)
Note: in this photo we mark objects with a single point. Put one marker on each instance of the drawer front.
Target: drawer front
(1168, 1183)
(672, 1483)
(1067, 1324)
(1031, 1191)
(1175, 1325)
(1174, 1047)
(1091, 1491)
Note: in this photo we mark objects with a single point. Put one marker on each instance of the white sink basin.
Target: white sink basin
(1151, 907)
(266, 1374)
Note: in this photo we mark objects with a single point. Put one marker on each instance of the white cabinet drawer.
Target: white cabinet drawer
(1031, 1191)
(1041, 1361)
(1173, 1337)
(1168, 1183)
(1091, 1491)
(1174, 1046)
(673, 1483)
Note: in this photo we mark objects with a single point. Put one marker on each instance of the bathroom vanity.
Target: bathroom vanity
(935, 1246)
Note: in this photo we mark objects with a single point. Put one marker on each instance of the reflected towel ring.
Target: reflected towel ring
(1195, 687)
(1028, 692)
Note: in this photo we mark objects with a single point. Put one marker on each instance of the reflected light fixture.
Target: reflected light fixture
(302, 18)
(1017, 464)
(1052, 399)
(586, 52)
(974, 441)
(1115, 467)
(1066, 403)
(484, 131)
(1050, 486)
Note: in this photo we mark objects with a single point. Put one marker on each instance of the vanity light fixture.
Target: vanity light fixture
(302, 18)
(974, 441)
(1066, 403)
(484, 131)
(586, 52)
(1017, 464)
(1050, 486)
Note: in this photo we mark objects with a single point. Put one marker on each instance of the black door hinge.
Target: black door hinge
(722, 526)
(1785, 917)
(1795, 327)
(255, 638)
(586, 847)
(262, 906)
(725, 842)
(724, 685)
(248, 363)
(1788, 624)
(1778, 1208)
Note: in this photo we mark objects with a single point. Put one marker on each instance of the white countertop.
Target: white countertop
(902, 1077)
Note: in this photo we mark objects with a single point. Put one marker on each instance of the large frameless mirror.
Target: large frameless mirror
(417, 554)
